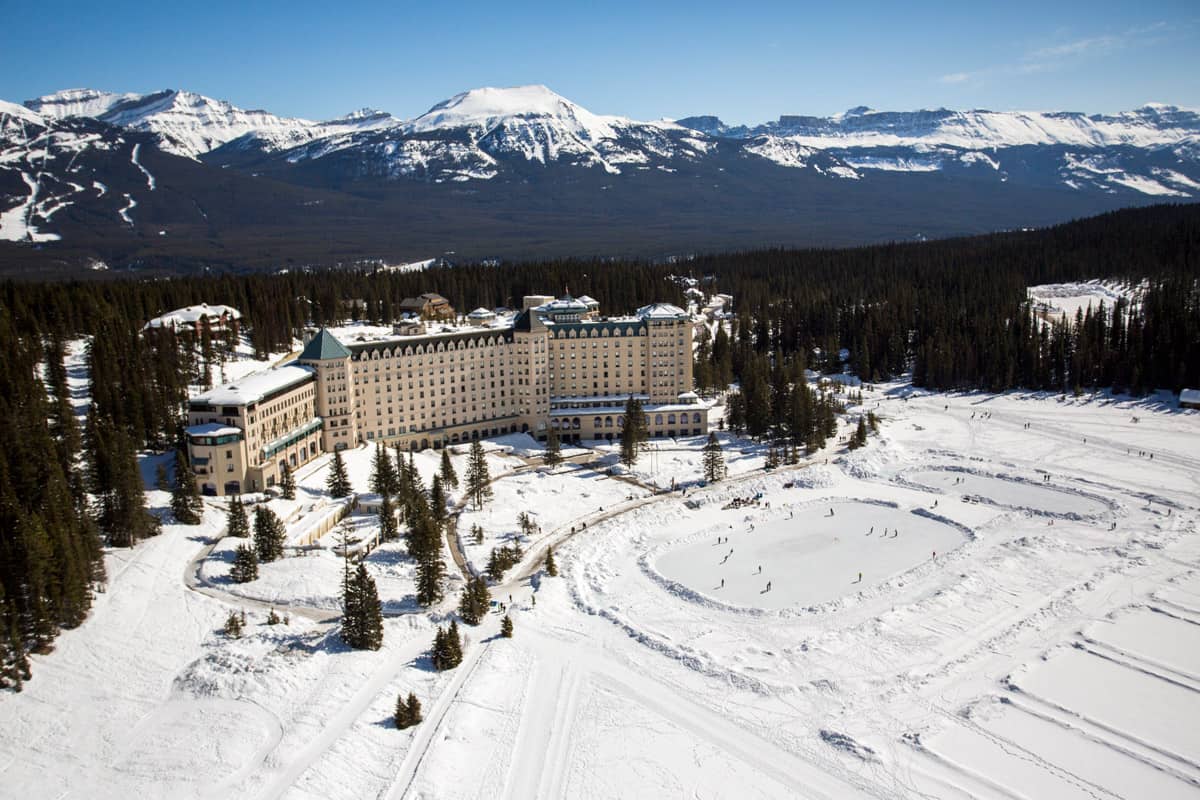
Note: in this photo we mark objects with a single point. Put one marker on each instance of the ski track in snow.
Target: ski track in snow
(980, 672)
(129, 206)
(133, 157)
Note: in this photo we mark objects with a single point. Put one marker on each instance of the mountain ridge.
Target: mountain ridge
(501, 172)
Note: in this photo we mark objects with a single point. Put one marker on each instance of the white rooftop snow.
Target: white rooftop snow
(212, 429)
(255, 386)
(192, 315)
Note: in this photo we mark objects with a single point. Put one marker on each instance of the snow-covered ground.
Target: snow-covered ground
(1050, 649)
(1056, 299)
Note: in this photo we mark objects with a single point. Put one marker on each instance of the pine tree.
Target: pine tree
(371, 609)
(438, 653)
(236, 523)
(287, 483)
(772, 460)
(402, 717)
(437, 499)
(447, 648)
(338, 484)
(430, 572)
(634, 432)
(551, 567)
(383, 473)
(473, 603)
(245, 565)
(273, 618)
(269, 534)
(553, 455)
(859, 437)
(413, 706)
(352, 614)
(162, 481)
(478, 480)
(714, 460)
(388, 529)
(477, 533)
(185, 497)
(234, 624)
(454, 644)
(449, 476)
(506, 627)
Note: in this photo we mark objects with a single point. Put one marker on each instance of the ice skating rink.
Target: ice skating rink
(811, 558)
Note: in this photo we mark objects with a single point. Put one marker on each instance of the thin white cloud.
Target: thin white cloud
(1050, 57)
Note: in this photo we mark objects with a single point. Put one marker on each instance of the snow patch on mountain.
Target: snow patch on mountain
(894, 164)
(784, 152)
(16, 223)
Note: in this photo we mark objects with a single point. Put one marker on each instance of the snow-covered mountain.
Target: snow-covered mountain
(1150, 150)
(84, 164)
(185, 123)
(471, 135)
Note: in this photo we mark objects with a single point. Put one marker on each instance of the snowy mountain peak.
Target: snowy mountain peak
(13, 111)
(857, 111)
(488, 107)
(78, 103)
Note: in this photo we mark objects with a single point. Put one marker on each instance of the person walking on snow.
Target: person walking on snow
(860, 577)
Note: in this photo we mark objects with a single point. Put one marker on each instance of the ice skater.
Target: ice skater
(768, 586)
(934, 556)
(722, 583)
(760, 569)
(859, 577)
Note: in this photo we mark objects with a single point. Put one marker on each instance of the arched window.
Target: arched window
(608, 422)
(575, 423)
(670, 419)
(597, 422)
(658, 419)
(696, 418)
(621, 421)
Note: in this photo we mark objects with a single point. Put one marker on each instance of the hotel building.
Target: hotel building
(555, 364)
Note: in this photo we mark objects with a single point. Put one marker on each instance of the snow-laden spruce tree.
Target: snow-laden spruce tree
(185, 497)
(338, 482)
(269, 534)
(236, 523)
(714, 459)
(478, 480)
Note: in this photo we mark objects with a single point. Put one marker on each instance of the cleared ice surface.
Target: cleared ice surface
(810, 558)
(1018, 494)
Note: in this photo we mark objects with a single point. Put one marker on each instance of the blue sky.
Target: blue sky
(746, 62)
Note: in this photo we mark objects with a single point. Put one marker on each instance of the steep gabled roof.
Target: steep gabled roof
(322, 346)
(527, 322)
